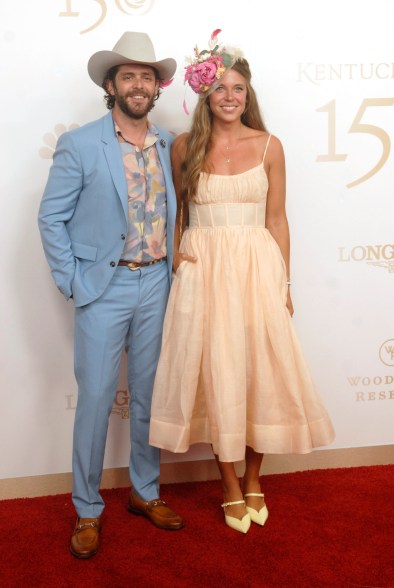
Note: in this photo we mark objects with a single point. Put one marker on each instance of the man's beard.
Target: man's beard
(132, 112)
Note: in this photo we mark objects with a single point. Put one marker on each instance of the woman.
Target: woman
(231, 372)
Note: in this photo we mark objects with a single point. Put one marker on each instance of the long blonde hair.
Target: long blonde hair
(199, 137)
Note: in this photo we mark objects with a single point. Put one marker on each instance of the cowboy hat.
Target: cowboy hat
(131, 48)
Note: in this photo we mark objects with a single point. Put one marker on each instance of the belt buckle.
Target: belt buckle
(133, 266)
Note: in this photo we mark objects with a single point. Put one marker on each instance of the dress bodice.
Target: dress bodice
(248, 186)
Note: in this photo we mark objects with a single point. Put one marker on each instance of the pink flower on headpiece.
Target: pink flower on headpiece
(208, 66)
(201, 76)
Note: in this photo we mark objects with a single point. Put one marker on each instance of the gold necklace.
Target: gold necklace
(228, 148)
(225, 150)
(226, 157)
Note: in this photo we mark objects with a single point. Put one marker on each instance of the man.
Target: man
(107, 223)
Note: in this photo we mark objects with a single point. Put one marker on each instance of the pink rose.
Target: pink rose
(202, 76)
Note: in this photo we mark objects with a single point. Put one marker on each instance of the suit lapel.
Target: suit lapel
(114, 160)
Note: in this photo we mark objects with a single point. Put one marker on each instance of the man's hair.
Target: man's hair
(110, 77)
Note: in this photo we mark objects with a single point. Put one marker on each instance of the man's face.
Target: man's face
(135, 88)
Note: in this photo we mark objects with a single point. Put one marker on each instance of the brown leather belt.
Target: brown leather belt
(134, 265)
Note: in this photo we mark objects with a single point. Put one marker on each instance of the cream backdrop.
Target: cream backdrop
(324, 75)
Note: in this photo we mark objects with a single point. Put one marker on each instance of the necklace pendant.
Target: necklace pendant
(227, 160)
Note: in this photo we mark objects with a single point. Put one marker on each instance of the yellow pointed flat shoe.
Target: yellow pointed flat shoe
(241, 525)
(260, 516)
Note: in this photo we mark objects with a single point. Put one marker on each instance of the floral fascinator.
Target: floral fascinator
(206, 67)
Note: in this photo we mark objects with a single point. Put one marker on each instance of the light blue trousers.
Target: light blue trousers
(128, 316)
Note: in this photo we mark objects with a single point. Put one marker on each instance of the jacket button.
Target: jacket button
(123, 236)
(112, 264)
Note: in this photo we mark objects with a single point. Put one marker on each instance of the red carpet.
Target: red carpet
(327, 528)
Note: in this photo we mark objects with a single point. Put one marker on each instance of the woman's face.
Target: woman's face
(228, 100)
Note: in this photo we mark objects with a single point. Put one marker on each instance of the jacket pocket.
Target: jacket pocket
(84, 251)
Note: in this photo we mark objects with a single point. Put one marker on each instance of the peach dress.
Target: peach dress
(231, 371)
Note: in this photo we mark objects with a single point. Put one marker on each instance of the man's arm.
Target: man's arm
(57, 207)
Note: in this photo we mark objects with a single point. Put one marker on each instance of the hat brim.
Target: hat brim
(102, 61)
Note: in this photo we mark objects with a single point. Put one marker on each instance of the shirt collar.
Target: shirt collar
(152, 134)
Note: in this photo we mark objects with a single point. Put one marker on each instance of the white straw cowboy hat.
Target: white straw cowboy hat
(131, 48)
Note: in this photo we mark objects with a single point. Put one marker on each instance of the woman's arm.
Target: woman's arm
(276, 218)
(178, 151)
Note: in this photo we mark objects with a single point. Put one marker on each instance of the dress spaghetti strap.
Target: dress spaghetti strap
(266, 147)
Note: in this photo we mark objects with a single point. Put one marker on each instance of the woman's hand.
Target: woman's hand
(179, 257)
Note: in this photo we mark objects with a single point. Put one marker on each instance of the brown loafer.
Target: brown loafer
(156, 511)
(85, 538)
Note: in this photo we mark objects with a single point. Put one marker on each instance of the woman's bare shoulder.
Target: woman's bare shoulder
(179, 144)
(275, 146)
(274, 154)
(178, 150)
(265, 137)
(275, 141)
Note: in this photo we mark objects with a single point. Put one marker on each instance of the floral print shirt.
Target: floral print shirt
(147, 201)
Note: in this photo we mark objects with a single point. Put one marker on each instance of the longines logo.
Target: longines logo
(119, 407)
(376, 255)
(369, 388)
(316, 73)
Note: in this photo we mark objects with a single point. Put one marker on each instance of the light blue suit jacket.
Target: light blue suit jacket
(83, 216)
